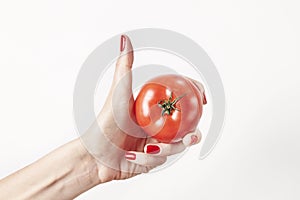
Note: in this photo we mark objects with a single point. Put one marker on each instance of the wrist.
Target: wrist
(86, 161)
(99, 173)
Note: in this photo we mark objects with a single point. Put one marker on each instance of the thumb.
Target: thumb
(121, 88)
(125, 60)
(122, 97)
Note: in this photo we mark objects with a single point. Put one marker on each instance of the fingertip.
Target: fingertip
(192, 138)
(200, 87)
(124, 63)
(144, 159)
(204, 98)
(126, 57)
(125, 44)
(152, 149)
(130, 155)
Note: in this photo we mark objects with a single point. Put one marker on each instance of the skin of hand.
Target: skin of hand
(128, 156)
(104, 153)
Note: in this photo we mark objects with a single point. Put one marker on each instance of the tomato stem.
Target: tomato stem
(168, 106)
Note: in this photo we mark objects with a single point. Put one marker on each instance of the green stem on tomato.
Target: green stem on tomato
(168, 106)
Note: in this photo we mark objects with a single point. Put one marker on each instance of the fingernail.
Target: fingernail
(152, 149)
(204, 98)
(194, 139)
(122, 43)
(130, 156)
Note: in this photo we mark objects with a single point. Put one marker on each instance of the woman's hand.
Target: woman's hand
(115, 148)
(121, 149)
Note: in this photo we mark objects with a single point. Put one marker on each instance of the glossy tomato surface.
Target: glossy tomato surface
(168, 107)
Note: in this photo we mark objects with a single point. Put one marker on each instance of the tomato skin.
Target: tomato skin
(169, 128)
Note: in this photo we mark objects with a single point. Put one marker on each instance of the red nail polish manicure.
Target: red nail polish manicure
(152, 149)
(130, 156)
(194, 139)
(122, 43)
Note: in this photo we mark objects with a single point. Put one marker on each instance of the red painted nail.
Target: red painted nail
(130, 156)
(122, 43)
(152, 149)
(194, 139)
(204, 99)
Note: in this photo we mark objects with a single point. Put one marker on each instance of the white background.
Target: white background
(254, 44)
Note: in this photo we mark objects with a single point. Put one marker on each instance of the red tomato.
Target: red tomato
(168, 107)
